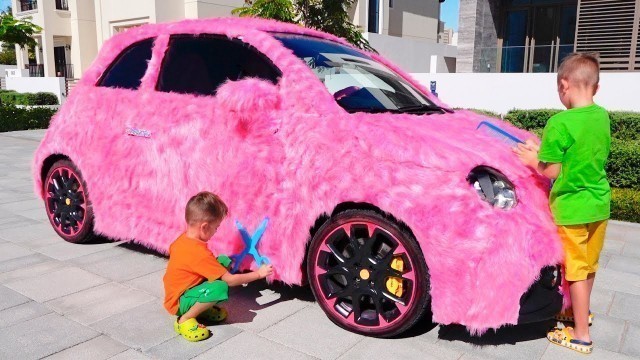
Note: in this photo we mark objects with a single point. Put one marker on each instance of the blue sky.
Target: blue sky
(4, 4)
(450, 11)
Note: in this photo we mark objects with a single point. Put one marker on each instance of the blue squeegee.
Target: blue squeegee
(496, 132)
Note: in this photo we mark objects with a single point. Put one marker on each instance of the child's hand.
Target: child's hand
(528, 153)
(265, 270)
(533, 145)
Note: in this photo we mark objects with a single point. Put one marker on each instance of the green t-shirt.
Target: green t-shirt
(580, 139)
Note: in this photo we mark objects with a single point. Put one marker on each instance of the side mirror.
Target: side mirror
(249, 105)
(248, 97)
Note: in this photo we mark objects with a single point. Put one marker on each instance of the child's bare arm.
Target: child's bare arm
(550, 170)
(528, 154)
(239, 279)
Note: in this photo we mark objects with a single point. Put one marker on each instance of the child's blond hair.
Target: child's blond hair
(205, 207)
(582, 69)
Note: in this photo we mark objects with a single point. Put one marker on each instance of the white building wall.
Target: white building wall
(54, 85)
(83, 35)
(114, 15)
(414, 55)
(210, 8)
(501, 92)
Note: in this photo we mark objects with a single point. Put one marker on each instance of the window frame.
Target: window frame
(119, 57)
(238, 40)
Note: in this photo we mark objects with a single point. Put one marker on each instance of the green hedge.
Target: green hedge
(16, 98)
(625, 205)
(13, 118)
(624, 125)
(623, 166)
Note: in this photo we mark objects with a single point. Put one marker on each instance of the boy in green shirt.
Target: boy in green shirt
(575, 145)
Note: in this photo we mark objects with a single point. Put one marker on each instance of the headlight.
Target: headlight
(493, 187)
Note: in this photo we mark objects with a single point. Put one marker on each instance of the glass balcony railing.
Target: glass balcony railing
(517, 59)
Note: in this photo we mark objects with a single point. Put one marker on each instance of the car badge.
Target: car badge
(137, 132)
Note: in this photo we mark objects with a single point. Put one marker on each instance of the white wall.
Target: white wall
(54, 85)
(6, 67)
(412, 55)
(503, 92)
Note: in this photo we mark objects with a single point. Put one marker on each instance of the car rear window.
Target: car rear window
(129, 67)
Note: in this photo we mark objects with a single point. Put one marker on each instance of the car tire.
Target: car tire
(351, 256)
(67, 202)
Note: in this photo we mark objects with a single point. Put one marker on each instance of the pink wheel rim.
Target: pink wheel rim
(65, 201)
(363, 247)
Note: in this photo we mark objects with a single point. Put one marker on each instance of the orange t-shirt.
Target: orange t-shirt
(190, 263)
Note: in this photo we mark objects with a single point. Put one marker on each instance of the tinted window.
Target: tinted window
(199, 64)
(128, 69)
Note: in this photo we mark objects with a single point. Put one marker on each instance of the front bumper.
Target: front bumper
(543, 300)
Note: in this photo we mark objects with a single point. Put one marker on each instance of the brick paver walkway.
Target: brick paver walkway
(103, 301)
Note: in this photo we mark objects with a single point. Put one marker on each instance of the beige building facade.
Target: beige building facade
(74, 30)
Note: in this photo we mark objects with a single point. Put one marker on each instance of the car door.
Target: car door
(113, 161)
(200, 144)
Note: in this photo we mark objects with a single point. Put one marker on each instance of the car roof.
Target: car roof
(225, 25)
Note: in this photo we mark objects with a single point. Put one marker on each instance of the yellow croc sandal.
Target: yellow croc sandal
(214, 315)
(192, 331)
(563, 338)
(567, 316)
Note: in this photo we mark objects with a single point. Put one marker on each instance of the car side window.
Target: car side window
(129, 67)
(199, 64)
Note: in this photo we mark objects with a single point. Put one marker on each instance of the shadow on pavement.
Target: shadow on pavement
(245, 301)
(505, 335)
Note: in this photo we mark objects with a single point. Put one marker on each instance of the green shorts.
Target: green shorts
(208, 292)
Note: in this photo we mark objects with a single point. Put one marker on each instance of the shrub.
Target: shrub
(40, 98)
(484, 112)
(625, 205)
(13, 98)
(623, 166)
(43, 98)
(624, 125)
(530, 119)
(13, 118)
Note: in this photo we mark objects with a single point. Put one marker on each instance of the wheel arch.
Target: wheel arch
(46, 166)
(343, 206)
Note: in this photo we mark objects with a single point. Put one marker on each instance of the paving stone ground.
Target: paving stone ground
(104, 301)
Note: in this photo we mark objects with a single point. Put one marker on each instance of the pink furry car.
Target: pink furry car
(385, 200)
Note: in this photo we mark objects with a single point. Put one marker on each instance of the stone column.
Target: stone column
(47, 54)
(22, 57)
(478, 36)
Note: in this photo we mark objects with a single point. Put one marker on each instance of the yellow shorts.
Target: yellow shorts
(582, 245)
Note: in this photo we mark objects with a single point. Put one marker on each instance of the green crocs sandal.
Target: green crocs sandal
(567, 316)
(562, 337)
(191, 330)
(214, 315)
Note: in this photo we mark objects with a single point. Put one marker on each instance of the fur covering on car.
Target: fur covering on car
(290, 153)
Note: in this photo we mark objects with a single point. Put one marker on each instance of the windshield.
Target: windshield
(356, 81)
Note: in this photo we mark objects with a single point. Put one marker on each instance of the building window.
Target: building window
(199, 65)
(62, 5)
(28, 5)
(129, 67)
(537, 35)
(374, 16)
(390, 4)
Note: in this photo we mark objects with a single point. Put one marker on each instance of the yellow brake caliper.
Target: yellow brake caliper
(394, 284)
